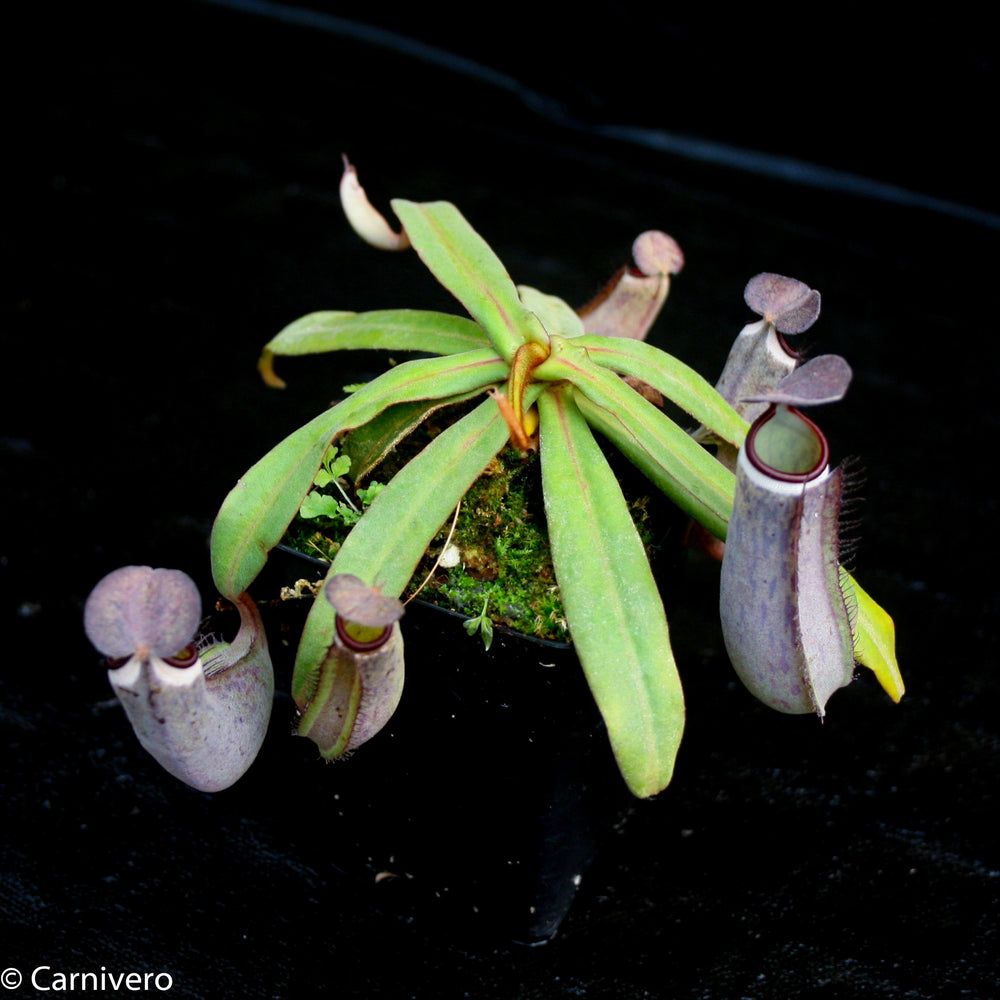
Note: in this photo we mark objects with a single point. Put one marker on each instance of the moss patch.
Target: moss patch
(502, 553)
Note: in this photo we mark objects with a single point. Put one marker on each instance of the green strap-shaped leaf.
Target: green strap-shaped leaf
(678, 465)
(676, 380)
(464, 263)
(263, 503)
(613, 608)
(383, 329)
(386, 545)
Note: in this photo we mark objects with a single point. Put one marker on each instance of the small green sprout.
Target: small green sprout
(481, 624)
(334, 466)
(343, 513)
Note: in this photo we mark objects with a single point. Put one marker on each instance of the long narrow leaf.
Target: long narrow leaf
(260, 507)
(387, 544)
(613, 608)
(679, 466)
(676, 380)
(464, 263)
(384, 329)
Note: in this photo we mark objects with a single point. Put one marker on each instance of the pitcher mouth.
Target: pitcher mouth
(797, 451)
(357, 644)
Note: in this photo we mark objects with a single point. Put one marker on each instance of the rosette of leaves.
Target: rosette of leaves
(545, 380)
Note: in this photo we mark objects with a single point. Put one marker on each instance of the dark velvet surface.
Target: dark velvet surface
(175, 204)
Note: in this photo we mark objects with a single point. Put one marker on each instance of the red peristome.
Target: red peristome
(768, 470)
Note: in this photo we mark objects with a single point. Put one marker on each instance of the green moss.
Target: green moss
(503, 552)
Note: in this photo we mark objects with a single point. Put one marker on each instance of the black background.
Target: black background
(172, 203)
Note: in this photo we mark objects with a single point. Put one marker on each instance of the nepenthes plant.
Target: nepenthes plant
(536, 374)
